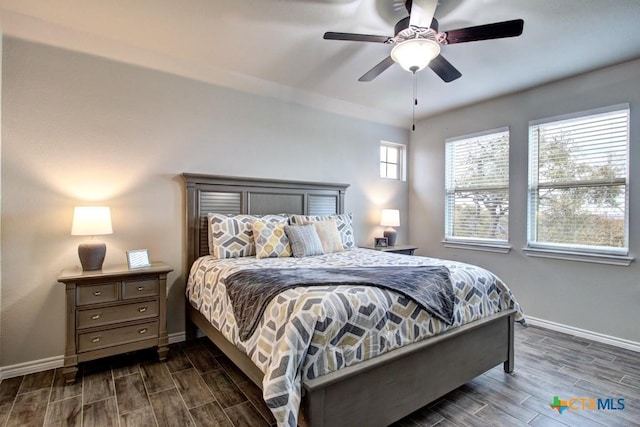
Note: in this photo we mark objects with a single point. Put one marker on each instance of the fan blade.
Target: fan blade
(422, 12)
(444, 69)
(377, 70)
(356, 37)
(496, 30)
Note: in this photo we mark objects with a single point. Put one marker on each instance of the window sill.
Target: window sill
(476, 246)
(388, 178)
(620, 260)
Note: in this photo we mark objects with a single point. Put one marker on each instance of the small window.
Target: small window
(392, 161)
(578, 188)
(477, 188)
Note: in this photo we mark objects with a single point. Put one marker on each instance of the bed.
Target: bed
(352, 391)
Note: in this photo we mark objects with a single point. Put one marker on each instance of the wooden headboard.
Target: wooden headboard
(233, 195)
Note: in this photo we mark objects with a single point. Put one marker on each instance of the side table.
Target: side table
(397, 249)
(114, 310)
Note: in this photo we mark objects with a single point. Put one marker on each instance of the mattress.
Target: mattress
(307, 332)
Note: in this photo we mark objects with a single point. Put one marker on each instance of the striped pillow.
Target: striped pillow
(304, 240)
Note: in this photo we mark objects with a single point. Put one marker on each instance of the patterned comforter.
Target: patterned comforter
(311, 331)
(250, 291)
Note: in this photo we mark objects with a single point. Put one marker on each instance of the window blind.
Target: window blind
(578, 168)
(477, 187)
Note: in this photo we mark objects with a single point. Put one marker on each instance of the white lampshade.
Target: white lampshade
(91, 221)
(390, 218)
(415, 54)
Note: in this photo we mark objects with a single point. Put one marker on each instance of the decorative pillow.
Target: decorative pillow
(304, 240)
(231, 236)
(270, 239)
(329, 236)
(343, 222)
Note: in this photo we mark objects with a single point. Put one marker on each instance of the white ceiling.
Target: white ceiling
(275, 47)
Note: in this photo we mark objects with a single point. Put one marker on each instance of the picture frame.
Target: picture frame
(380, 242)
(138, 258)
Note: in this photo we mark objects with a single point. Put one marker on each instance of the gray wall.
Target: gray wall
(599, 298)
(82, 129)
(1, 44)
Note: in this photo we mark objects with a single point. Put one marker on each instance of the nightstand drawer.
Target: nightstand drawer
(94, 294)
(139, 288)
(116, 314)
(116, 336)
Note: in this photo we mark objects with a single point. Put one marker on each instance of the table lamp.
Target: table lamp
(390, 218)
(91, 221)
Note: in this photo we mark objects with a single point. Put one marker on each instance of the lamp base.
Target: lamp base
(391, 236)
(91, 254)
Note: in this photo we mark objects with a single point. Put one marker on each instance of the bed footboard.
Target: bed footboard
(386, 388)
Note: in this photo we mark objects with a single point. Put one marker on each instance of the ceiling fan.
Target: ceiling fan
(417, 42)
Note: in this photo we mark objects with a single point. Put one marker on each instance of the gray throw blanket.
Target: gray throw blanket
(251, 290)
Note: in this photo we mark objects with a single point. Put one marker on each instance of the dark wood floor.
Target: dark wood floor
(198, 386)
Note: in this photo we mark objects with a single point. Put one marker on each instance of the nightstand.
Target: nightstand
(114, 310)
(397, 249)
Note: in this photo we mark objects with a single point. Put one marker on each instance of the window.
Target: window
(392, 161)
(477, 187)
(578, 182)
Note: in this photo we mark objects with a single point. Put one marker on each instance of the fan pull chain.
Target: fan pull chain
(415, 100)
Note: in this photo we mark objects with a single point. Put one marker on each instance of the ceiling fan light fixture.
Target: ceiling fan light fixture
(415, 54)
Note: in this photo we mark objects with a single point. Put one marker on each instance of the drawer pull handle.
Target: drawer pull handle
(96, 339)
(140, 288)
(97, 293)
(95, 317)
(142, 331)
(142, 309)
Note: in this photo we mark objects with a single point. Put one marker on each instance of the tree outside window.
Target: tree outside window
(578, 182)
(477, 187)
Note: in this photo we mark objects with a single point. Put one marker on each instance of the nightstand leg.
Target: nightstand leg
(69, 373)
(70, 366)
(163, 346)
(162, 353)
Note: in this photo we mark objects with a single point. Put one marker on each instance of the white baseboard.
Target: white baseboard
(31, 367)
(583, 333)
(55, 362)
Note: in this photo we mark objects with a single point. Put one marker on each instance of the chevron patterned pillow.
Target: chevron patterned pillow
(231, 236)
(270, 239)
